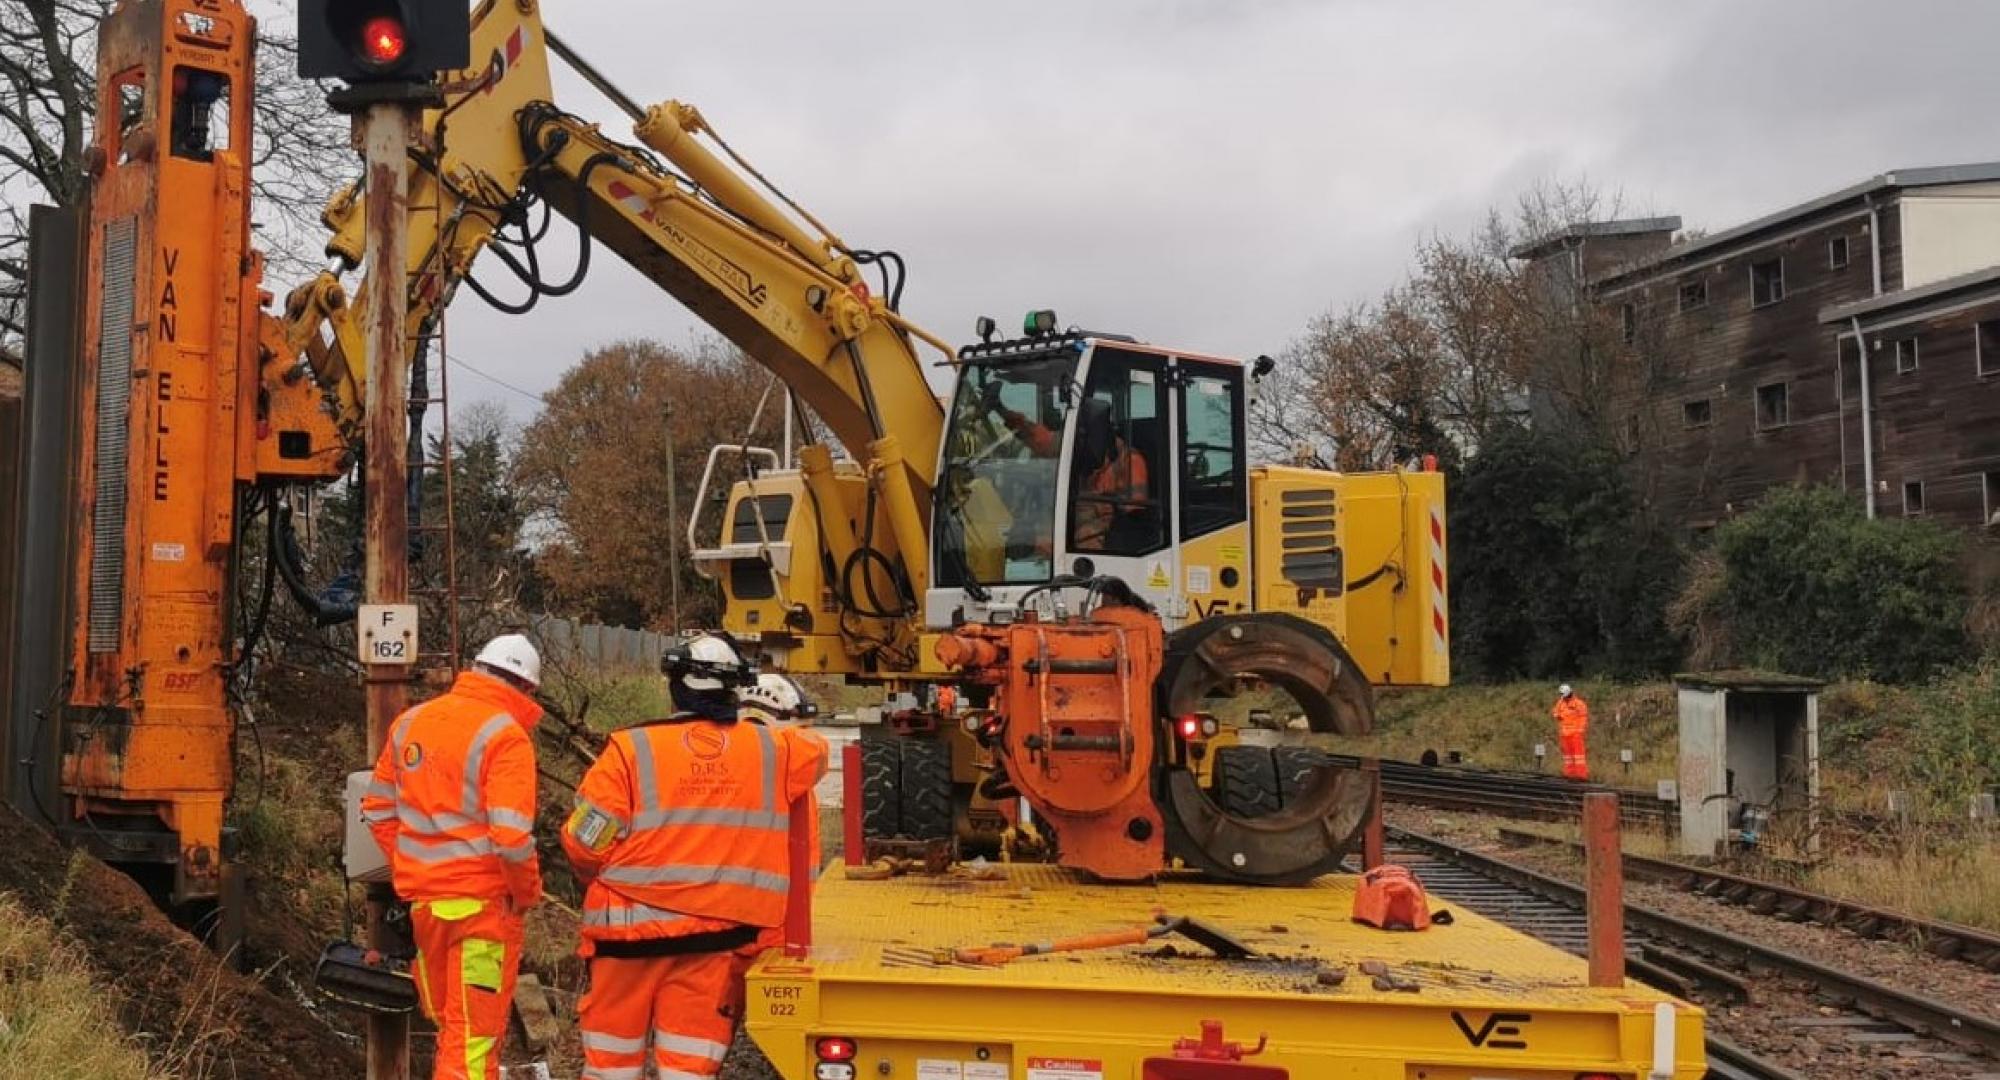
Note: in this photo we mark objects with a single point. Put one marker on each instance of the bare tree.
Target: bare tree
(47, 102)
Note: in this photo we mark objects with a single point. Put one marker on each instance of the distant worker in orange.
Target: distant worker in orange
(1572, 724)
(680, 836)
(452, 803)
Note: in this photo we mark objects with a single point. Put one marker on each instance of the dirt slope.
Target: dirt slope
(171, 990)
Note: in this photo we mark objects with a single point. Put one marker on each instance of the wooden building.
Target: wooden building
(1739, 369)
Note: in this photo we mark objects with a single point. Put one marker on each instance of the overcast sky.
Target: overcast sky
(1212, 173)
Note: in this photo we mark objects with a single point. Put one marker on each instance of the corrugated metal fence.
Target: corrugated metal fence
(605, 648)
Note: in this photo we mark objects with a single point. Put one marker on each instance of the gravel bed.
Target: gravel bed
(1769, 1025)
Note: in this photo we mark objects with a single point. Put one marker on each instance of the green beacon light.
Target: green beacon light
(1038, 323)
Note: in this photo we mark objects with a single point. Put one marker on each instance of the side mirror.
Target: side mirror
(1262, 366)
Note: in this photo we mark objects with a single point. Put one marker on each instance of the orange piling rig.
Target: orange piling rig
(187, 395)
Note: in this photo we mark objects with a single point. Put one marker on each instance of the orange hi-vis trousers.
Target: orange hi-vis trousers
(468, 953)
(676, 1013)
(1576, 766)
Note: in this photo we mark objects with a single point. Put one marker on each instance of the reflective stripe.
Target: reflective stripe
(630, 915)
(621, 1072)
(770, 755)
(376, 817)
(438, 824)
(612, 1044)
(666, 1042)
(520, 852)
(412, 848)
(475, 755)
(696, 875)
(711, 815)
(642, 762)
(510, 819)
(381, 789)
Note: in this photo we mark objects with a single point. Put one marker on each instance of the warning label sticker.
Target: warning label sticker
(1065, 1069)
(938, 1069)
(1230, 553)
(985, 1070)
(1156, 578)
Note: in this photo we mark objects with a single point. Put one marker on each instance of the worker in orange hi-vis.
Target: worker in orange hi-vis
(681, 838)
(1572, 724)
(452, 803)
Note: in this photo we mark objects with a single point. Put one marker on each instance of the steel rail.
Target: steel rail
(1951, 941)
(1916, 1012)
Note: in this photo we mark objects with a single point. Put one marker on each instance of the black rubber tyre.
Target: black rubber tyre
(1246, 781)
(1295, 765)
(881, 785)
(927, 792)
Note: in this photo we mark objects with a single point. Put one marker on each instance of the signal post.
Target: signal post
(389, 53)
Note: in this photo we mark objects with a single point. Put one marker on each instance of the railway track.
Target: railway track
(1951, 941)
(1519, 794)
(1855, 1014)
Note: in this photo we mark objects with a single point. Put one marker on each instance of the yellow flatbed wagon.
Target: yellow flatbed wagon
(879, 996)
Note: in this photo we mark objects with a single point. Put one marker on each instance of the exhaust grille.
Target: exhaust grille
(114, 435)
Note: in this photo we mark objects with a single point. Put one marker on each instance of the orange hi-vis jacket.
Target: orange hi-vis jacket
(1572, 716)
(452, 801)
(681, 827)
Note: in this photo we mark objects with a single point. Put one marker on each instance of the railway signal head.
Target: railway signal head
(364, 42)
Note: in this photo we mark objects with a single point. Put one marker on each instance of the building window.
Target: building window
(1628, 321)
(1696, 414)
(1694, 294)
(1913, 498)
(1987, 346)
(1989, 483)
(1906, 356)
(1767, 282)
(1836, 253)
(1774, 407)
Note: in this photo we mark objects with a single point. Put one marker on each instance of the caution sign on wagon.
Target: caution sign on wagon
(1041, 1068)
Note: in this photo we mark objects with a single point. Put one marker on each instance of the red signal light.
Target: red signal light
(835, 1049)
(383, 40)
(1190, 727)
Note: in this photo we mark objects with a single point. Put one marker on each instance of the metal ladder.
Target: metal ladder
(439, 598)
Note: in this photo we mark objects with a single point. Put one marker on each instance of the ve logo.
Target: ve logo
(1501, 1031)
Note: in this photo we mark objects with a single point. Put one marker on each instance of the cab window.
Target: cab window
(1118, 493)
(1211, 460)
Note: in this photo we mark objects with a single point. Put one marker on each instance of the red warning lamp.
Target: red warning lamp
(1190, 727)
(835, 1049)
(383, 39)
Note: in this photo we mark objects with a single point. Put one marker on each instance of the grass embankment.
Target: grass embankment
(1934, 747)
(55, 1022)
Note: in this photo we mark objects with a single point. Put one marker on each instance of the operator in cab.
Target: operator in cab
(1113, 482)
(452, 803)
(680, 836)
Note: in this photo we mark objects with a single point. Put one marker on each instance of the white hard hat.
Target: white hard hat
(515, 655)
(775, 695)
(1564, 690)
(705, 663)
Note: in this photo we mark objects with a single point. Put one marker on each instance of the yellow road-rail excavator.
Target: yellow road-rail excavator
(1070, 571)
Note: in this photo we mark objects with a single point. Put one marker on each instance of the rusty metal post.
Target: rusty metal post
(1604, 878)
(385, 132)
(853, 841)
(1372, 842)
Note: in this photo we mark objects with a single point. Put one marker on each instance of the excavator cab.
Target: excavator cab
(1075, 455)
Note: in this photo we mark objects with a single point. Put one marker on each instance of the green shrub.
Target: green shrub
(1809, 585)
(1555, 568)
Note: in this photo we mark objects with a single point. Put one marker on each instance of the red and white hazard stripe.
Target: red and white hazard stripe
(1441, 641)
(622, 193)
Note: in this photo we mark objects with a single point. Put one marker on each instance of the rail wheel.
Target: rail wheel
(1297, 837)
